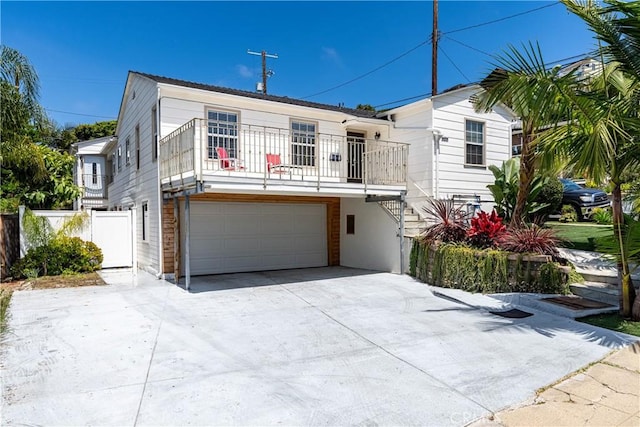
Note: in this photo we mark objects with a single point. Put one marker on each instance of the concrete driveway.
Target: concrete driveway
(328, 346)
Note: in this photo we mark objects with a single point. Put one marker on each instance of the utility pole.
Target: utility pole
(265, 73)
(434, 51)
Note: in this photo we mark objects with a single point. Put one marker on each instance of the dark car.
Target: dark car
(583, 200)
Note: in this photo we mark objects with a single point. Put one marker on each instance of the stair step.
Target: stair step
(602, 276)
(597, 291)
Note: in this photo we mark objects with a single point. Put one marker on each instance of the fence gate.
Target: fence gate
(112, 232)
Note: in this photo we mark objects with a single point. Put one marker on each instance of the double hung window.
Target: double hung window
(474, 142)
(303, 143)
(222, 131)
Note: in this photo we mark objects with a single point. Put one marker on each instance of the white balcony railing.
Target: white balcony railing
(265, 152)
(94, 186)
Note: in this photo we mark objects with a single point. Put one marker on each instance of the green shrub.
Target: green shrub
(5, 298)
(61, 255)
(487, 271)
(602, 216)
(551, 194)
(568, 214)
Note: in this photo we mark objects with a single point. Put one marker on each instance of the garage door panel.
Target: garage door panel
(235, 237)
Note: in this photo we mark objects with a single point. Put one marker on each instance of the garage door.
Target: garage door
(236, 237)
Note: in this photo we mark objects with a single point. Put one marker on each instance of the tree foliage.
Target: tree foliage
(32, 173)
(85, 132)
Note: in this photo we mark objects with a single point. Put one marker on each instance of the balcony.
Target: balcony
(94, 186)
(254, 158)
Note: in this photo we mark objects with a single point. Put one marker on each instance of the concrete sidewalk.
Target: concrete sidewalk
(606, 393)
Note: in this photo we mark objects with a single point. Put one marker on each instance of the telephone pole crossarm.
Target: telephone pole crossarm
(265, 73)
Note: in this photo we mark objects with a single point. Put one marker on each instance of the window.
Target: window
(137, 142)
(474, 142)
(145, 221)
(119, 157)
(154, 134)
(516, 145)
(222, 132)
(94, 173)
(303, 143)
(127, 151)
(351, 224)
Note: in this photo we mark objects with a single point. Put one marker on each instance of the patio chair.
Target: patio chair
(274, 164)
(228, 163)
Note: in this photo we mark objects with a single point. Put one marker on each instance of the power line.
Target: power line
(454, 64)
(482, 24)
(80, 114)
(402, 100)
(470, 47)
(570, 58)
(429, 41)
(370, 72)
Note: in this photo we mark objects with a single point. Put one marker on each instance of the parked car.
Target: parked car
(583, 200)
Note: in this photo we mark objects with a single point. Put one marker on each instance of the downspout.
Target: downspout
(159, 188)
(401, 234)
(436, 136)
(187, 243)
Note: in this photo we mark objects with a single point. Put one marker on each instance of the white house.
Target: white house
(222, 180)
(92, 173)
(451, 146)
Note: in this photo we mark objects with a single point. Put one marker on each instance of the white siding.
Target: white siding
(132, 187)
(410, 126)
(447, 113)
(375, 244)
(450, 112)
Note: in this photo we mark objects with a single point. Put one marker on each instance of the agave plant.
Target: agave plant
(450, 222)
(530, 239)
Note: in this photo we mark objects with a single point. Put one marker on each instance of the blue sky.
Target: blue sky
(83, 50)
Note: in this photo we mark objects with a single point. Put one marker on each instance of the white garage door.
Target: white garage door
(236, 237)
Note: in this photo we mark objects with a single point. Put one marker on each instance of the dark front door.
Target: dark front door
(355, 150)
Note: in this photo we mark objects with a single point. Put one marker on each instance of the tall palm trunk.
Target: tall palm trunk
(527, 171)
(627, 293)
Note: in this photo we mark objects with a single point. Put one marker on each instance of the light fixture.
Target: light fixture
(377, 136)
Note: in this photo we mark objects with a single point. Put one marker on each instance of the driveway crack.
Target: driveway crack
(153, 352)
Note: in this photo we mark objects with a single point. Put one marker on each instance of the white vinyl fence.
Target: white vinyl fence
(111, 231)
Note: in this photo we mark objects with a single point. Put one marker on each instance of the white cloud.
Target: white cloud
(330, 54)
(244, 71)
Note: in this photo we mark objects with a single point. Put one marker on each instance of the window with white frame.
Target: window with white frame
(303, 143)
(154, 134)
(119, 157)
(474, 142)
(94, 173)
(137, 143)
(145, 222)
(127, 151)
(222, 132)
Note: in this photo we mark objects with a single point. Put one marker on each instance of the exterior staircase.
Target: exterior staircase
(600, 274)
(414, 225)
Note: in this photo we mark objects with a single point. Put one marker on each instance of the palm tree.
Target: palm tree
(19, 113)
(600, 138)
(523, 82)
(20, 90)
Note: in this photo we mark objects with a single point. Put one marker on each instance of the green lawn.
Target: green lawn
(613, 322)
(579, 235)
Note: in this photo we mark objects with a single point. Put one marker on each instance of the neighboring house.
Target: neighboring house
(451, 146)
(222, 180)
(92, 173)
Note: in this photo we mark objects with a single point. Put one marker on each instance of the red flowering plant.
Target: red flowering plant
(486, 230)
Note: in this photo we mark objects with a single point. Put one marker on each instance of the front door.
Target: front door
(355, 151)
